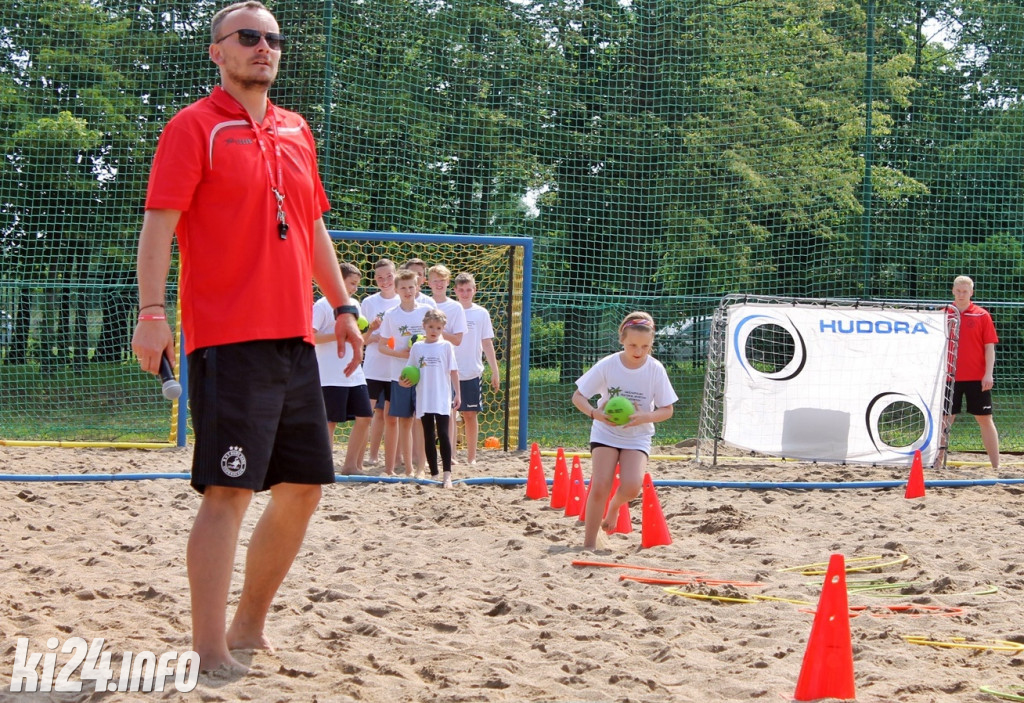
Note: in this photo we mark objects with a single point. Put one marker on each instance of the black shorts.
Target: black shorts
(469, 392)
(979, 402)
(346, 403)
(258, 415)
(380, 391)
(595, 445)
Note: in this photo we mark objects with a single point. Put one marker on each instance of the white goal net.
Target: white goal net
(828, 380)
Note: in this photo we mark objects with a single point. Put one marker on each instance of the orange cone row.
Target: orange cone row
(569, 492)
(827, 668)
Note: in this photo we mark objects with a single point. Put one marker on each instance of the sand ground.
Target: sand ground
(407, 592)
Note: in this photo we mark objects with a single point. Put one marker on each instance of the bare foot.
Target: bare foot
(349, 471)
(243, 641)
(601, 544)
(224, 671)
(221, 665)
(447, 479)
(608, 525)
(389, 472)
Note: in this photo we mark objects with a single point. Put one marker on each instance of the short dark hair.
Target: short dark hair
(348, 269)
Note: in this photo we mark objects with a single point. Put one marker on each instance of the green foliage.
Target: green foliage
(661, 154)
(547, 339)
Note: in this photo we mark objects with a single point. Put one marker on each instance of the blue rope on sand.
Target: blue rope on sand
(496, 481)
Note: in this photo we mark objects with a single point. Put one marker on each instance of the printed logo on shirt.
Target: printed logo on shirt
(233, 462)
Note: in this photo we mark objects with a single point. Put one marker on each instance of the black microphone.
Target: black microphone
(172, 389)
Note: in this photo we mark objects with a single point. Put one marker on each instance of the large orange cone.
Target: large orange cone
(560, 486)
(536, 483)
(915, 485)
(827, 671)
(574, 498)
(653, 528)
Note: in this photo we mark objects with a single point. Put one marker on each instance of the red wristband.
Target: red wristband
(152, 318)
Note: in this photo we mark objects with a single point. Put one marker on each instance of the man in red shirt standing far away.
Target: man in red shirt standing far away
(975, 364)
(235, 178)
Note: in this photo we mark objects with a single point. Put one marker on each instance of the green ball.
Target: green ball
(363, 323)
(619, 410)
(410, 374)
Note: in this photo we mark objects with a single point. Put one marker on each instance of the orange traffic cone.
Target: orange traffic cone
(827, 670)
(560, 486)
(574, 498)
(915, 484)
(653, 528)
(586, 498)
(536, 483)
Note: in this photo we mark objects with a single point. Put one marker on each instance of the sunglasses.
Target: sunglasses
(251, 37)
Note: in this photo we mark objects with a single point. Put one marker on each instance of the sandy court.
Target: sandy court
(406, 592)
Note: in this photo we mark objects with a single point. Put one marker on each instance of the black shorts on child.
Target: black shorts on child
(346, 403)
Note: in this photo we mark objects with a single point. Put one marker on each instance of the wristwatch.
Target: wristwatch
(342, 309)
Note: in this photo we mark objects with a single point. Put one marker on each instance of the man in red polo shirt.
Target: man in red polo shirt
(975, 364)
(235, 178)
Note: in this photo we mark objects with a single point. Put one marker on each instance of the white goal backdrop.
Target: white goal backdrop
(828, 381)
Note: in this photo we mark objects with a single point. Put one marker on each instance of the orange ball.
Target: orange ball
(492, 443)
(391, 342)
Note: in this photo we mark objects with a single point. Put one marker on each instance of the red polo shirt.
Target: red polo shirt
(976, 330)
(239, 280)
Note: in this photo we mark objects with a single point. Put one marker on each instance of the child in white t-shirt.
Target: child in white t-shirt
(439, 380)
(345, 397)
(637, 376)
(477, 343)
(376, 366)
(396, 329)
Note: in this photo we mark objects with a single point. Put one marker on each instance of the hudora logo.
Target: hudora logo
(871, 327)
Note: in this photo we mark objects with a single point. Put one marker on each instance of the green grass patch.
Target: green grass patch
(108, 402)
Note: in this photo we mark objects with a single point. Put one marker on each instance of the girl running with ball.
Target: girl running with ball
(638, 377)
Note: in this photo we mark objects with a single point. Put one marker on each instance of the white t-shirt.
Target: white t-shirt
(376, 365)
(401, 325)
(436, 361)
(332, 367)
(470, 353)
(424, 299)
(456, 323)
(647, 387)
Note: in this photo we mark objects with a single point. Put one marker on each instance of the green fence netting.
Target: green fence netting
(660, 153)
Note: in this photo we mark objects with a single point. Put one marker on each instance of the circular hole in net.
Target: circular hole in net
(900, 424)
(769, 348)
